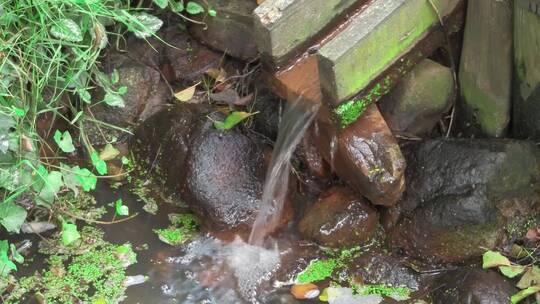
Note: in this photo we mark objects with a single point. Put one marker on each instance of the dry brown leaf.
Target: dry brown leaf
(219, 75)
(26, 144)
(244, 100)
(259, 2)
(305, 291)
(228, 96)
(187, 93)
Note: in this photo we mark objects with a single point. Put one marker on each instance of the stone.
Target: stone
(187, 60)
(377, 267)
(269, 108)
(419, 101)
(472, 286)
(310, 156)
(339, 218)
(462, 194)
(146, 94)
(374, 39)
(526, 101)
(284, 26)
(231, 30)
(485, 72)
(365, 155)
(219, 174)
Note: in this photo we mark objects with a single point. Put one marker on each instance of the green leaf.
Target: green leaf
(109, 153)
(67, 30)
(84, 95)
(69, 233)
(52, 185)
(232, 120)
(121, 209)
(177, 6)
(194, 8)
(115, 76)
(161, 3)
(147, 25)
(125, 161)
(64, 141)
(18, 111)
(122, 90)
(6, 265)
(524, 294)
(511, 271)
(212, 12)
(114, 100)
(12, 216)
(86, 179)
(494, 259)
(15, 255)
(98, 163)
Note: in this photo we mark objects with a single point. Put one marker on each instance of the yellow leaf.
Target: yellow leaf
(186, 94)
(218, 74)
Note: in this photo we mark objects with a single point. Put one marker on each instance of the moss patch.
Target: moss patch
(183, 228)
(319, 270)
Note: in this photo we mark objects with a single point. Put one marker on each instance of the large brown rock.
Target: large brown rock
(231, 30)
(340, 218)
(365, 155)
(462, 194)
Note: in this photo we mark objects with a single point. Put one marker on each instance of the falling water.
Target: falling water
(296, 119)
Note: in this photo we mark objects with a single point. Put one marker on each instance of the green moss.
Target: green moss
(382, 290)
(183, 228)
(348, 112)
(518, 227)
(89, 277)
(319, 270)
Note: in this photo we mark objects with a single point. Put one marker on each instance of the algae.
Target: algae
(183, 228)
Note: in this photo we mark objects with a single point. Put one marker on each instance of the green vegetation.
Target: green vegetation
(397, 293)
(183, 228)
(319, 270)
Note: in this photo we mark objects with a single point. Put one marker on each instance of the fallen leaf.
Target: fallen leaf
(530, 278)
(244, 100)
(219, 75)
(108, 153)
(512, 271)
(259, 2)
(518, 252)
(305, 291)
(232, 120)
(494, 259)
(26, 143)
(524, 294)
(187, 93)
(532, 234)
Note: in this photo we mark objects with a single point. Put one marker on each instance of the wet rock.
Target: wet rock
(526, 101)
(161, 144)
(187, 60)
(485, 80)
(365, 155)
(340, 218)
(311, 157)
(219, 174)
(270, 108)
(472, 286)
(231, 30)
(380, 268)
(419, 101)
(146, 94)
(461, 193)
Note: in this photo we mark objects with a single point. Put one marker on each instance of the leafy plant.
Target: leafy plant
(232, 120)
(8, 255)
(530, 279)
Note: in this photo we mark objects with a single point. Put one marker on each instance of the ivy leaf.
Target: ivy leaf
(12, 216)
(67, 30)
(177, 6)
(64, 141)
(84, 95)
(212, 12)
(6, 265)
(121, 209)
(232, 120)
(161, 3)
(511, 271)
(18, 111)
(53, 183)
(524, 294)
(494, 259)
(122, 90)
(98, 163)
(108, 153)
(148, 25)
(114, 100)
(15, 255)
(194, 8)
(86, 178)
(69, 233)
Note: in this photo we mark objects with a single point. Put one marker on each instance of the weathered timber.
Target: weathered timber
(486, 69)
(526, 101)
(283, 27)
(373, 40)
